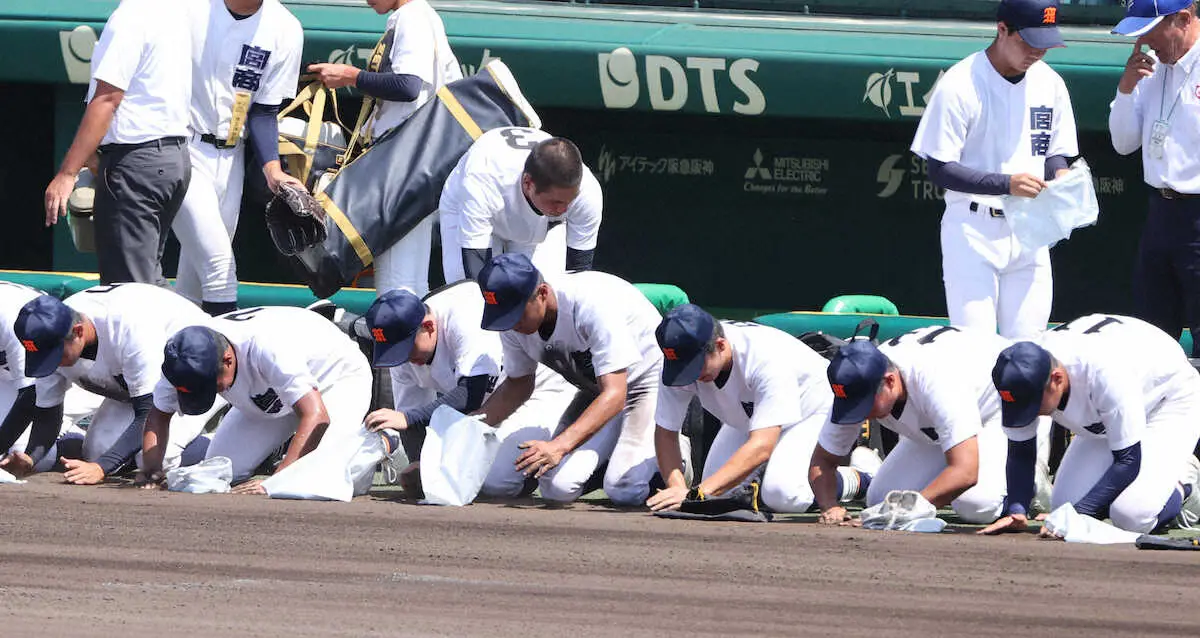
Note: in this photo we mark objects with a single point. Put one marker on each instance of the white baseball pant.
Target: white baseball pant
(77, 404)
(248, 438)
(207, 221)
(535, 420)
(185, 443)
(549, 256)
(992, 284)
(626, 442)
(912, 465)
(1171, 434)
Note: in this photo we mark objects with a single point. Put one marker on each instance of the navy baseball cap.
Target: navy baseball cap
(682, 335)
(1035, 20)
(1143, 15)
(855, 373)
(393, 320)
(42, 326)
(507, 283)
(191, 363)
(1020, 375)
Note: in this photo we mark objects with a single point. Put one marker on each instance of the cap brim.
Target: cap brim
(1018, 414)
(193, 403)
(851, 410)
(681, 372)
(390, 355)
(1042, 37)
(499, 319)
(1136, 26)
(43, 363)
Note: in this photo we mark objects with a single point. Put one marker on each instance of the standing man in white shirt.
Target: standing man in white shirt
(137, 119)
(999, 123)
(1157, 109)
(245, 63)
(416, 62)
(520, 190)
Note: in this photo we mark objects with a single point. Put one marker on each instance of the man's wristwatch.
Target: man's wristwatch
(695, 494)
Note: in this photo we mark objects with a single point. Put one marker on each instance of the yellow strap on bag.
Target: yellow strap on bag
(368, 105)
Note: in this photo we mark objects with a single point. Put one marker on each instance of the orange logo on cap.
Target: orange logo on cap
(489, 298)
(1007, 396)
(839, 391)
(669, 353)
(377, 334)
(1050, 15)
(183, 389)
(29, 346)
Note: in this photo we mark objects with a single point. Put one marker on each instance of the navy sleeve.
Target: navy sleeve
(393, 87)
(131, 439)
(579, 259)
(1126, 465)
(19, 416)
(466, 397)
(263, 127)
(1054, 164)
(474, 259)
(1019, 471)
(956, 177)
(47, 424)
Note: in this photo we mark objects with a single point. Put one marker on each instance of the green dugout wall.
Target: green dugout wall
(757, 160)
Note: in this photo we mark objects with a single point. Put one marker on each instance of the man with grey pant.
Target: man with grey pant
(136, 118)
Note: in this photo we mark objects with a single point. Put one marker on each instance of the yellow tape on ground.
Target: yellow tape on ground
(456, 109)
(348, 229)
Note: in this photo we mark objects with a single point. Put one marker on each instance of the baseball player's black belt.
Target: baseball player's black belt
(994, 212)
(160, 142)
(1170, 193)
(209, 138)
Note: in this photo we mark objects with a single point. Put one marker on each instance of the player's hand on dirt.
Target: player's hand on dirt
(539, 457)
(667, 499)
(836, 515)
(19, 464)
(410, 480)
(253, 486)
(155, 480)
(82, 472)
(1047, 535)
(1025, 185)
(1010, 523)
(335, 76)
(276, 176)
(1139, 65)
(385, 419)
(57, 194)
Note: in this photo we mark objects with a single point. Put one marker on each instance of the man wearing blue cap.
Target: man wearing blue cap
(597, 331)
(770, 393)
(999, 123)
(1157, 109)
(444, 357)
(108, 340)
(286, 372)
(932, 387)
(1128, 393)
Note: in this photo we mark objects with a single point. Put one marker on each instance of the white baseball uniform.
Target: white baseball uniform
(482, 206)
(464, 349)
(416, 45)
(282, 354)
(983, 121)
(133, 322)
(1129, 383)
(947, 375)
(775, 380)
(235, 63)
(604, 325)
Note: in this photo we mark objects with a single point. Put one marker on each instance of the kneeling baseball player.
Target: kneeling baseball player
(286, 372)
(1128, 393)
(932, 387)
(445, 357)
(597, 331)
(768, 389)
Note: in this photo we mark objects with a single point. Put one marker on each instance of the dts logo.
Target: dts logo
(669, 83)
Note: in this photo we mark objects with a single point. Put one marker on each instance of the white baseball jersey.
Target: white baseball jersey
(979, 119)
(604, 325)
(12, 355)
(1121, 370)
(775, 380)
(255, 59)
(144, 51)
(415, 44)
(464, 349)
(947, 375)
(133, 322)
(282, 354)
(484, 191)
